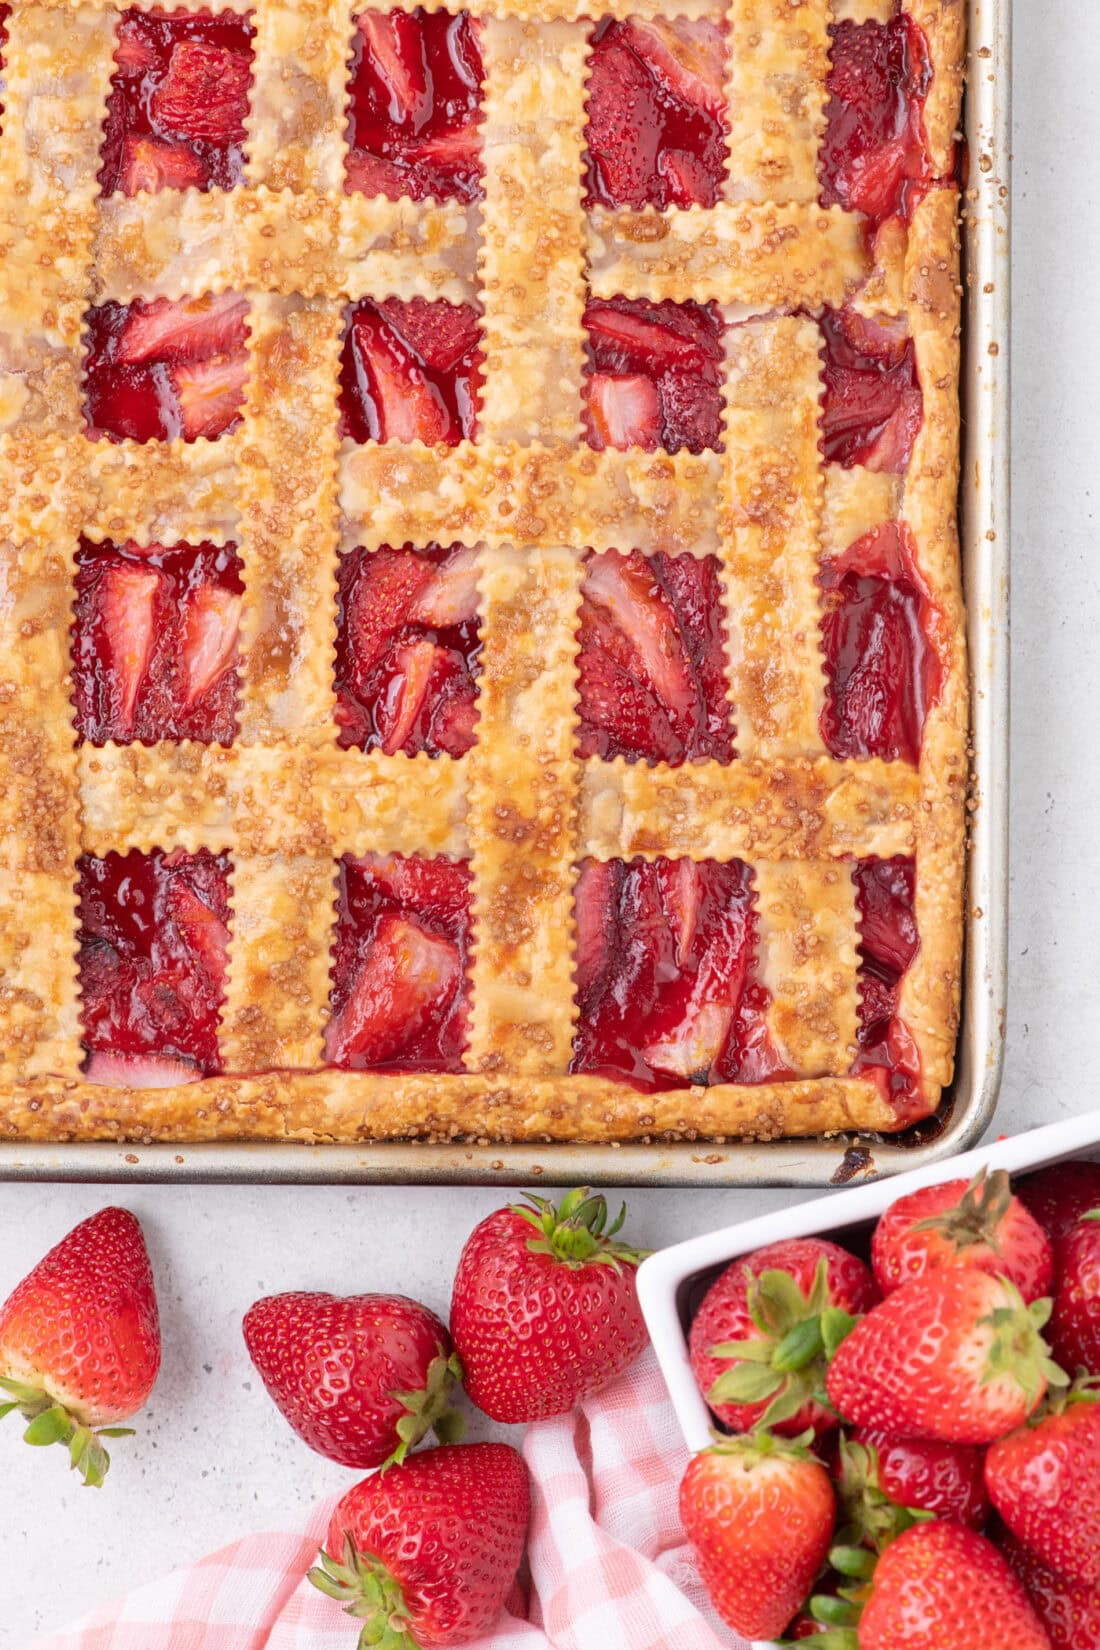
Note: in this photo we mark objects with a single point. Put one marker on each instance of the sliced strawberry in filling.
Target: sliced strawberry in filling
(166, 369)
(654, 374)
(410, 372)
(178, 104)
(652, 665)
(415, 105)
(407, 647)
(5, 12)
(399, 991)
(889, 943)
(155, 642)
(874, 157)
(665, 975)
(153, 945)
(873, 406)
(882, 639)
(655, 133)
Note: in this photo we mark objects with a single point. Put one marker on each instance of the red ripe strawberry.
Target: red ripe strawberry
(937, 1587)
(955, 1355)
(1069, 1612)
(1075, 1324)
(80, 1339)
(956, 1224)
(1062, 1195)
(758, 1342)
(1044, 1480)
(425, 1553)
(885, 1484)
(545, 1307)
(361, 1379)
(759, 1512)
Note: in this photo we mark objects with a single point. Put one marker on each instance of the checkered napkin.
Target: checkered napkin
(609, 1569)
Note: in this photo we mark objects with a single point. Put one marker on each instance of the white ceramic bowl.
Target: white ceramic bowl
(671, 1283)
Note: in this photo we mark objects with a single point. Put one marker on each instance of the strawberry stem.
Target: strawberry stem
(575, 1232)
(51, 1423)
(429, 1409)
(977, 1215)
(369, 1592)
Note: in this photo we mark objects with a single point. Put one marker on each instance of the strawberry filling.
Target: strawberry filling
(889, 942)
(872, 407)
(884, 670)
(153, 948)
(652, 660)
(399, 989)
(155, 642)
(179, 99)
(415, 106)
(5, 12)
(410, 371)
(665, 974)
(874, 158)
(655, 132)
(166, 369)
(407, 645)
(653, 375)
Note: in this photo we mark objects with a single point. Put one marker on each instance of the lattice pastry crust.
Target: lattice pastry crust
(531, 497)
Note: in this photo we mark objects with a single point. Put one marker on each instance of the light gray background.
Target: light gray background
(212, 1459)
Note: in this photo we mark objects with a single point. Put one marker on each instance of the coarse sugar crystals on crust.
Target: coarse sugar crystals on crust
(803, 908)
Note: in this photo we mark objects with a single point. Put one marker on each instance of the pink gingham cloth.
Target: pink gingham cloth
(608, 1565)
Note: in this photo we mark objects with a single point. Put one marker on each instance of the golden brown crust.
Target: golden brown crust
(283, 799)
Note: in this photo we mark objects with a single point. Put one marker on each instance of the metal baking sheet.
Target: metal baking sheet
(969, 1105)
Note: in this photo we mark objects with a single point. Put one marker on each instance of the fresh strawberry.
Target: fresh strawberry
(407, 973)
(760, 1339)
(1061, 1195)
(80, 1340)
(139, 1071)
(184, 329)
(1069, 1612)
(211, 620)
(955, 1354)
(939, 1586)
(127, 601)
(545, 1306)
(623, 411)
(152, 163)
(886, 1485)
(959, 1224)
(204, 95)
(759, 1513)
(1075, 1324)
(362, 1379)
(210, 395)
(425, 1553)
(1044, 1480)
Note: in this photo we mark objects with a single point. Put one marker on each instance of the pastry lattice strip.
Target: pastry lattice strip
(283, 798)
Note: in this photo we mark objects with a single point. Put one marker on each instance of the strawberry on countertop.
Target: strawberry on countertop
(80, 1340)
(759, 1512)
(545, 1306)
(978, 1224)
(424, 1554)
(758, 1341)
(361, 1379)
(955, 1354)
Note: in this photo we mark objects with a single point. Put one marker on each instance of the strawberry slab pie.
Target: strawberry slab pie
(482, 650)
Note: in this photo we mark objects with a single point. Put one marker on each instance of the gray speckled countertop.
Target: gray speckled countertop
(212, 1459)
